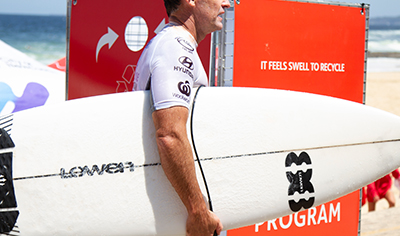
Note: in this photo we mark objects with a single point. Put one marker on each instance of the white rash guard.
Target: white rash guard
(170, 67)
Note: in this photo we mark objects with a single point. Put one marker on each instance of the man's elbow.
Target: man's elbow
(167, 140)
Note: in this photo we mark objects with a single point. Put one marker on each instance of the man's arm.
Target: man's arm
(177, 162)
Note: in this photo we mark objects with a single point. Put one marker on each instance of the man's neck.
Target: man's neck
(188, 23)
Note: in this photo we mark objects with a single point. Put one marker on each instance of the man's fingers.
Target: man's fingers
(218, 229)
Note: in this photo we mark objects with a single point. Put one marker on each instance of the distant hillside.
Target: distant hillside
(384, 23)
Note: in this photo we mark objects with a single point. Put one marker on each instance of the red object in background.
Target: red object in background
(309, 47)
(100, 62)
(59, 64)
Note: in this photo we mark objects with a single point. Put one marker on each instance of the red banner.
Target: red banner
(310, 47)
(106, 39)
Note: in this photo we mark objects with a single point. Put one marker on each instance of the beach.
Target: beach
(383, 92)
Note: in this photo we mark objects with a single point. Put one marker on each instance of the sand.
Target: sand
(383, 92)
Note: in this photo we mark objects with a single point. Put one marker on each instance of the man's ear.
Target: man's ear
(190, 2)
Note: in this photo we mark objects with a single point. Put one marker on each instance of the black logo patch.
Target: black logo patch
(184, 88)
(7, 195)
(300, 182)
(186, 62)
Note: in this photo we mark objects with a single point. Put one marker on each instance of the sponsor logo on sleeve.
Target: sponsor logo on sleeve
(185, 44)
(184, 70)
(185, 90)
(186, 62)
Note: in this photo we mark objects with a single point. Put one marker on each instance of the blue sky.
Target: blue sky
(379, 8)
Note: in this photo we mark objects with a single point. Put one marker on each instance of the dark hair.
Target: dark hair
(171, 5)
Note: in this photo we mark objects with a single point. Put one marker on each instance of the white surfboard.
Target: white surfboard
(91, 167)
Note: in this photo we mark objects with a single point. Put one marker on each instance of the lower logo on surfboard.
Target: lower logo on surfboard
(299, 173)
(8, 203)
(110, 168)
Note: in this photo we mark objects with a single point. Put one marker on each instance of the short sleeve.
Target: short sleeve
(172, 76)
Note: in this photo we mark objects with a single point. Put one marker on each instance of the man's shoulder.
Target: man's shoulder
(172, 40)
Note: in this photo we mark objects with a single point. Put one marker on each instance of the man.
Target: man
(169, 67)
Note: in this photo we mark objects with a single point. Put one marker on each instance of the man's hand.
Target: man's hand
(199, 225)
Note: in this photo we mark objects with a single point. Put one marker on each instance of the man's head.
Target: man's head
(207, 14)
(171, 5)
(200, 17)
